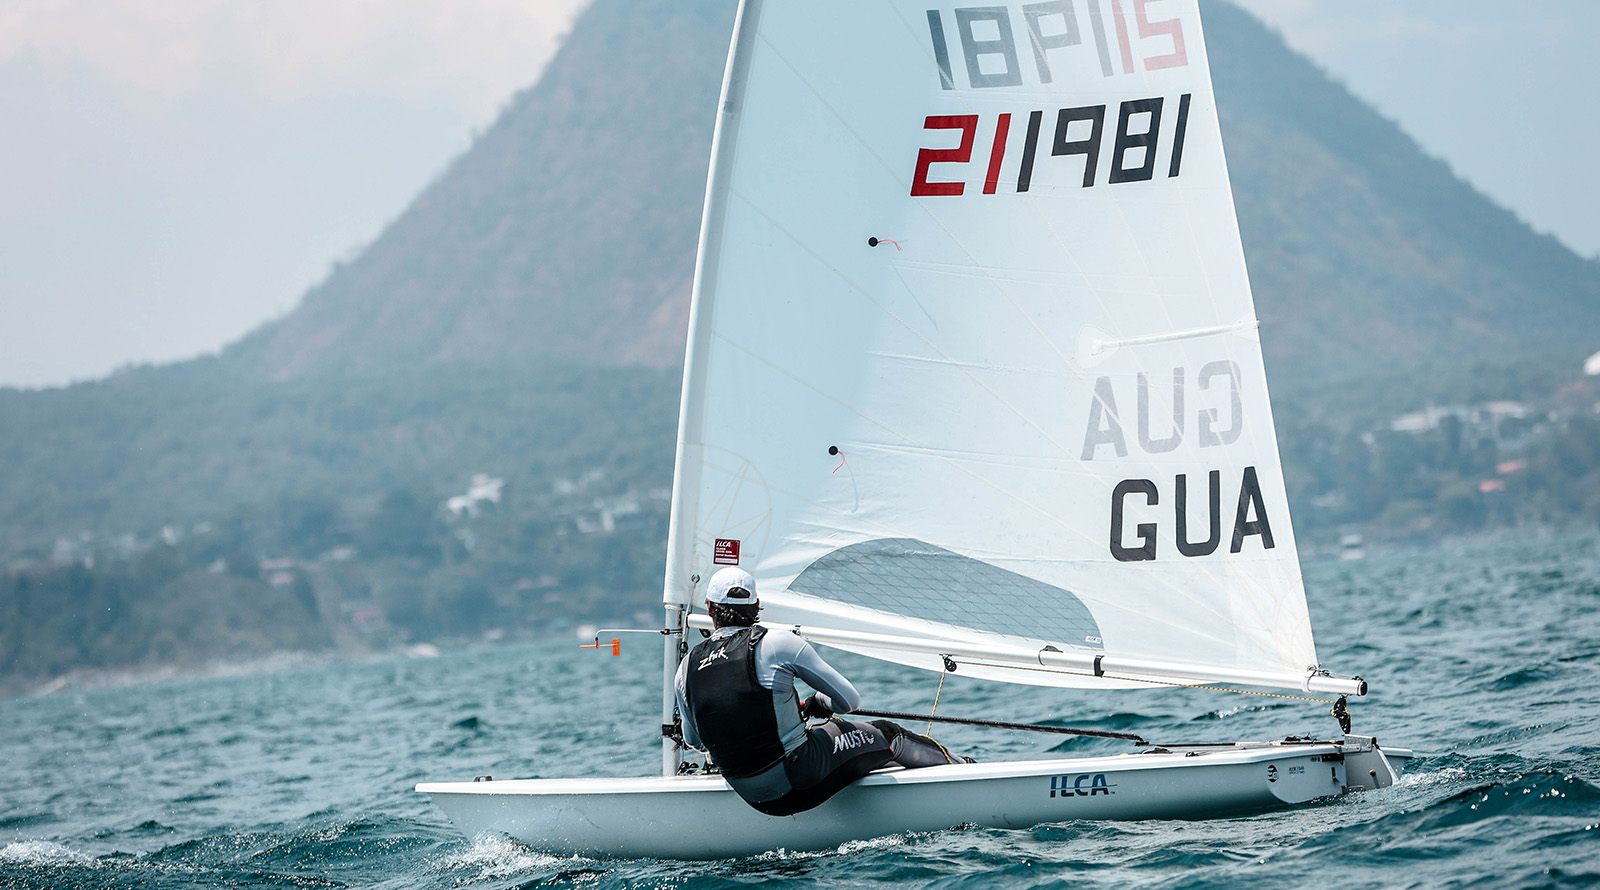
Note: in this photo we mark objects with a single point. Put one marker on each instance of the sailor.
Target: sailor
(737, 699)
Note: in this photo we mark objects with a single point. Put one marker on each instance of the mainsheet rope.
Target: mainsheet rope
(935, 709)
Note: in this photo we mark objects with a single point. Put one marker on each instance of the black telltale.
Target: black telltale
(833, 449)
(872, 242)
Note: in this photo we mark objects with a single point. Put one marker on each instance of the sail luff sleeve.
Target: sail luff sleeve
(682, 522)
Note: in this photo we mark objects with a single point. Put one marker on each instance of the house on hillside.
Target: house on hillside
(482, 489)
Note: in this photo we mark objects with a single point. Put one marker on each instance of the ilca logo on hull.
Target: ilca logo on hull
(1085, 785)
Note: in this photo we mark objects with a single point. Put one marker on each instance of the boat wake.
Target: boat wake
(849, 848)
(492, 857)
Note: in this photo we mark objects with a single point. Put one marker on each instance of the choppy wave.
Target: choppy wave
(1484, 660)
(490, 857)
(45, 853)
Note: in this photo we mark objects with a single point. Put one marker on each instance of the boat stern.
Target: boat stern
(1368, 767)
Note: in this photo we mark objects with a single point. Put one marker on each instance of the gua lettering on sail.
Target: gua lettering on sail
(1103, 430)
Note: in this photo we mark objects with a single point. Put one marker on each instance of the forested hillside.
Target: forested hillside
(174, 515)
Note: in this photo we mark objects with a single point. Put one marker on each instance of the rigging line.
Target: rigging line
(738, 474)
(1174, 684)
(890, 169)
(936, 694)
(1000, 724)
(728, 497)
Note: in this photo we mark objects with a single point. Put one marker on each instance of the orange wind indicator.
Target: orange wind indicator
(616, 645)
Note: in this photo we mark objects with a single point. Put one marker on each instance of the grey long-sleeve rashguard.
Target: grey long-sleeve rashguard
(780, 657)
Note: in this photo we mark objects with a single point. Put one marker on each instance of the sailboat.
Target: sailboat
(974, 383)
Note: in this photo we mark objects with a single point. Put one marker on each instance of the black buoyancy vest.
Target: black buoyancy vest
(732, 710)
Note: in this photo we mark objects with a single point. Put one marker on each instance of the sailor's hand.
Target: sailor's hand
(817, 706)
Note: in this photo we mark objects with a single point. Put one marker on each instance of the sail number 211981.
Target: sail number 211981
(1078, 132)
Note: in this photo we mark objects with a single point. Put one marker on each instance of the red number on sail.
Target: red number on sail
(968, 125)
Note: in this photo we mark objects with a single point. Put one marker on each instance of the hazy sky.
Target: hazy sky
(175, 172)
(1504, 91)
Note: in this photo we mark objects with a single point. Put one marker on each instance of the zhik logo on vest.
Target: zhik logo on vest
(1085, 785)
(718, 654)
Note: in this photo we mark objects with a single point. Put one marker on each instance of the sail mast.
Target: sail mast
(677, 593)
(681, 530)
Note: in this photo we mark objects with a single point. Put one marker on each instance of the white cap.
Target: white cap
(732, 586)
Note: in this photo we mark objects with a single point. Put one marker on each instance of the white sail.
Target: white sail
(1033, 414)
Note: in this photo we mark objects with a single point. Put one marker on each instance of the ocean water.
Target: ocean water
(1484, 657)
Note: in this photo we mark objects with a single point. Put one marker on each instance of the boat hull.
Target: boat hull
(699, 817)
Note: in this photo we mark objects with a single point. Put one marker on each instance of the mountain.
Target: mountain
(1366, 255)
(569, 229)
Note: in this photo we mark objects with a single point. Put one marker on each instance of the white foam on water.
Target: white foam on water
(848, 848)
(497, 856)
(53, 855)
(1236, 710)
(1446, 776)
(42, 853)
